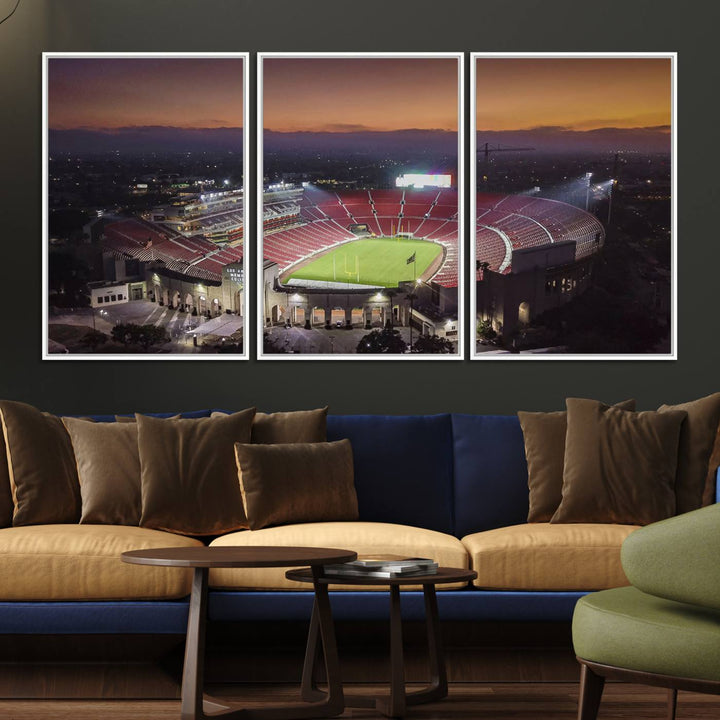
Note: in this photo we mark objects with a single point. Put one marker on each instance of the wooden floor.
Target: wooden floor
(481, 701)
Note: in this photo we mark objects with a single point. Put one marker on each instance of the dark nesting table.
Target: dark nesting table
(201, 559)
(395, 704)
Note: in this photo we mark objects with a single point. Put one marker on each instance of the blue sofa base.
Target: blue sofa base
(170, 617)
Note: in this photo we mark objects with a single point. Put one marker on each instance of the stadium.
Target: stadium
(191, 259)
(532, 254)
(342, 257)
(362, 258)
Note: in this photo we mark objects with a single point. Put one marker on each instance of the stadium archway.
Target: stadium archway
(277, 314)
(165, 297)
(176, 299)
(524, 313)
(189, 303)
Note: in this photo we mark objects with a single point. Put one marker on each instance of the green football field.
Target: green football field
(372, 261)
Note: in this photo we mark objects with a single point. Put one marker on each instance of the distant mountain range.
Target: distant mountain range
(145, 139)
(562, 140)
(433, 142)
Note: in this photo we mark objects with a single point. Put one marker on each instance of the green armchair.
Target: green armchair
(664, 629)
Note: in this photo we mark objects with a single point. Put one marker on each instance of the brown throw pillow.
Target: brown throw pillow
(297, 483)
(131, 418)
(619, 466)
(710, 492)
(544, 435)
(188, 474)
(697, 438)
(108, 466)
(6, 500)
(41, 466)
(298, 426)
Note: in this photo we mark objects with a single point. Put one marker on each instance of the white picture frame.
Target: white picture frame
(473, 269)
(261, 319)
(183, 339)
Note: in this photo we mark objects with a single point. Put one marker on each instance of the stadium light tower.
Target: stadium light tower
(588, 177)
(610, 199)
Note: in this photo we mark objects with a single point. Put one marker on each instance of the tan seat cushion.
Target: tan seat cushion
(544, 556)
(365, 538)
(82, 562)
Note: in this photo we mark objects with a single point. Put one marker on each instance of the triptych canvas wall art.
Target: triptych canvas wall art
(574, 246)
(145, 213)
(361, 211)
(359, 224)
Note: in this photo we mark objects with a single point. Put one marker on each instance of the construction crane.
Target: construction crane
(489, 150)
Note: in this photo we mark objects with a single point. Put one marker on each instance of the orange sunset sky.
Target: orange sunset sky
(573, 93)
(347, 94)
(122, 92)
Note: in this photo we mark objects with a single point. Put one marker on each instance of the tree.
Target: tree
(433, 344)
(94, 338)
(144, 335)
(152, 335)
(122, 333)
(67, 277)
(270, 347)
(386, 340)
(485, 330)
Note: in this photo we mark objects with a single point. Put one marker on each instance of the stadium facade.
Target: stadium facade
(532, 255)
(189, 257)
(302, 225)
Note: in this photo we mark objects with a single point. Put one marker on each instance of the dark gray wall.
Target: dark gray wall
(362, 25)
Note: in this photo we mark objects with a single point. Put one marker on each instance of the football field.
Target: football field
(382, 262)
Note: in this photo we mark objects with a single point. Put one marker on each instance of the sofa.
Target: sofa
(452, 487)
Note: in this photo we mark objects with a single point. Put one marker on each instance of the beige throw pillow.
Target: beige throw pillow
(108, 466)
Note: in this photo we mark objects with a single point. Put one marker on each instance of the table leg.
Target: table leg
(308, 687)
(195, 707)
(394, 706)
(438, 687)
(335, 703)
(193, 669)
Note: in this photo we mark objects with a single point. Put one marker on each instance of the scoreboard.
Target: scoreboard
(419, 181)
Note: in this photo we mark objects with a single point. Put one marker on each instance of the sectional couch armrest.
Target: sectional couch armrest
(677, 558)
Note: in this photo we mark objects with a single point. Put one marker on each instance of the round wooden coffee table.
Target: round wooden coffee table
(193, 705)
(395, 704)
